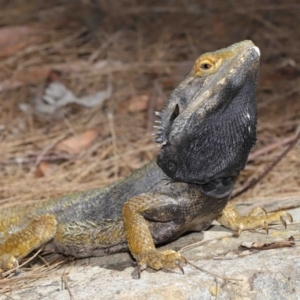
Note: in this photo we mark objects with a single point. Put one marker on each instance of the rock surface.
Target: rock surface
(244, 274)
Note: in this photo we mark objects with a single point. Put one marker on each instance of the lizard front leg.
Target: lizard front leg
(139, 236)
(38, 232)
(257, 218)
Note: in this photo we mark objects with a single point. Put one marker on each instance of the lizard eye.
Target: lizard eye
(205, 66)
(175, 114)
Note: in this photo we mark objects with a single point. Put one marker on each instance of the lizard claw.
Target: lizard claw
(157, 260)
(268, 218)
(287, 216)
(266, 227)
(257, 218)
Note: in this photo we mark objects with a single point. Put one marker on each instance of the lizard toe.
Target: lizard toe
(7, 262)
(157, 260)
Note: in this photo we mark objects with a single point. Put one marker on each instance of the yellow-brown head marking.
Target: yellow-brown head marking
(209, 63)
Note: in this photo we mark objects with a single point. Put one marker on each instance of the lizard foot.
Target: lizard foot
(257, 218)
(39, 231)
(7, 262)
(167, 259)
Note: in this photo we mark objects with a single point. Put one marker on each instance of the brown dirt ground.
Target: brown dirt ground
(143, 48)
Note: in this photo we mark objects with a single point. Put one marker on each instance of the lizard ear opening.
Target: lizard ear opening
(175, 114)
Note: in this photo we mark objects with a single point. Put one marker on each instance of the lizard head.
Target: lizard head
(208, 125)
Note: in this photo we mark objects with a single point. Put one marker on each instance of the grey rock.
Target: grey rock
(248, 274)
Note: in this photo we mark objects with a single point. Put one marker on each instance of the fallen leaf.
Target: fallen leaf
(78, 143)
(134, 104)
(15, 38)
(9, 84)
(44, 169)
(267, 246)
(29, 75)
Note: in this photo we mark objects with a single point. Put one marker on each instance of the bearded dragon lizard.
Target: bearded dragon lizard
(207, 130)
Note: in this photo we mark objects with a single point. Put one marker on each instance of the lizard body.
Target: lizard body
(91, 224)
(207, 131)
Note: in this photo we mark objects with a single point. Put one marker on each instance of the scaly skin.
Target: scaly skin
(207, 131)
(91, 223)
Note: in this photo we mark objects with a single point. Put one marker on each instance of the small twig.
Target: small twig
(252, 183)
(32, 159)
(50, 157)
(44, 261)
(94, 56)
(35, 159)
(271, 147)
(201, 243)
(212, 274)
(54, 46)
(46, 150)
(23, 264)
(65, 281)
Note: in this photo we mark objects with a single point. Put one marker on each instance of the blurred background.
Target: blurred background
(80, 81)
